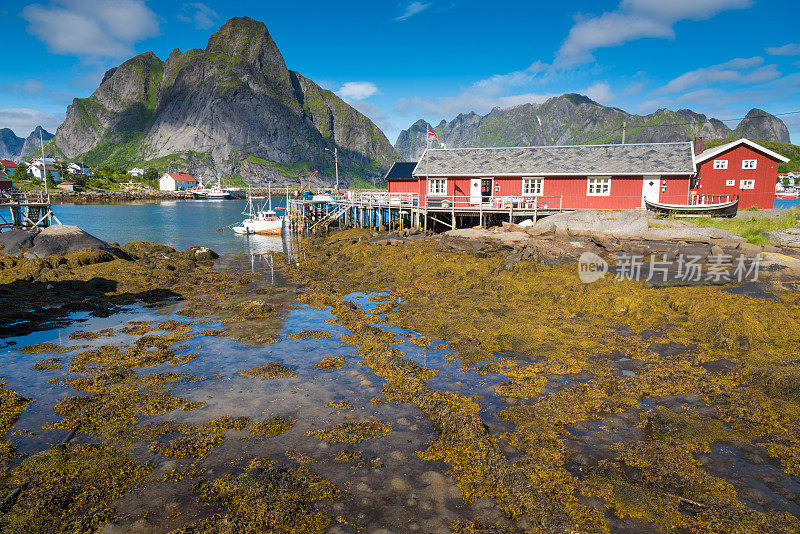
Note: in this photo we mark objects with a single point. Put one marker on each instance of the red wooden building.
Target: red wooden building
(742, 168)
(571, 177)
(591, 176)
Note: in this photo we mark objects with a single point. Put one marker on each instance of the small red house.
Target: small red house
(742, 168)
(571, 177)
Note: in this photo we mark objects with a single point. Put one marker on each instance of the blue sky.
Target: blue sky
(399, 61)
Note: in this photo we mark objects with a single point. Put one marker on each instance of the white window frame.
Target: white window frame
(598, 186)
(435, 191)
(730, 182)
(720, 164)
(532, 186)
(749, 164)
(747, 184)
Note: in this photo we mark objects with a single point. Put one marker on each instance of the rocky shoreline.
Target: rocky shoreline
(99, 197)
(611, 234)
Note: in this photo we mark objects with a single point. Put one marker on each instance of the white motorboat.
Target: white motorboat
(215, 192)
(261, 219)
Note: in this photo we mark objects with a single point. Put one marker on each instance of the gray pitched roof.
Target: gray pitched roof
(651, 158)
(401, 170)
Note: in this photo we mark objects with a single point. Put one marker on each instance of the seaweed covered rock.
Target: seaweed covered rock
(266, 498)
(140, 249)
(13, 241)
(88, 257)
(201, 254)
(64, 238)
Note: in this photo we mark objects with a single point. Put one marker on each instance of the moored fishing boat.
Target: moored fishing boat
(215, 192)
(261, 220)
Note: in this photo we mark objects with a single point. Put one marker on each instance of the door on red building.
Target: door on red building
(486, 190)
(651, 187)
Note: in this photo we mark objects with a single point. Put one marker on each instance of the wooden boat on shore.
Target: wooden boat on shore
(727, 208)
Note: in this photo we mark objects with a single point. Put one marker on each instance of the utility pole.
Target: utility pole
(336, 163)
(623, 132)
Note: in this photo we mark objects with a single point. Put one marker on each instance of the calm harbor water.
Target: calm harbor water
(787, 203)
(180, 224)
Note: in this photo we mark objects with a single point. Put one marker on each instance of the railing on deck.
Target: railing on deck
(446, 202)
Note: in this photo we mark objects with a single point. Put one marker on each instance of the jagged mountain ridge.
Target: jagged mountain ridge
(576, 119)
(16, 148)
(232, 107)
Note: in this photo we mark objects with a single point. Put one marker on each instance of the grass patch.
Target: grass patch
(751, 228)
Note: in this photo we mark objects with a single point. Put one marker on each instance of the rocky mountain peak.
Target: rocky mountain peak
(758, 124)
(232, 107)
(248, 40)
(32, 144)
(130, 83)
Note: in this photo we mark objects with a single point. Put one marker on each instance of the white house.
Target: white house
(136, 171)
(174, 181)
(75, 168)
(37, 170)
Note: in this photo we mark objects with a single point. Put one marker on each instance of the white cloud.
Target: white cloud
(23, 120)
(28, 87)
(414, 8)
(93, 28)
(516, 78)
(785, 50)
(634, 19)
(351, 91)
(199, 14)
(600, 92)
(738, 71)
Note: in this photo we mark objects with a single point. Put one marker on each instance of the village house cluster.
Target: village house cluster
(38, 168)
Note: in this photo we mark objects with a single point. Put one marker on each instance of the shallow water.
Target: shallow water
(388, 487)
(178, 223)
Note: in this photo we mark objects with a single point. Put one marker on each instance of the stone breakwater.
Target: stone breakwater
(95, 197)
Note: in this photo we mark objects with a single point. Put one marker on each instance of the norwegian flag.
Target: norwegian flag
(431, 133)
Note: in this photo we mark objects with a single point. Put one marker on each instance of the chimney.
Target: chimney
(699, 145)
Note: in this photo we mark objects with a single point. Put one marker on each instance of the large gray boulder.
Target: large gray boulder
(64, 238)
(15, 240)
(787, 238)
(692, 235)
(622, 224)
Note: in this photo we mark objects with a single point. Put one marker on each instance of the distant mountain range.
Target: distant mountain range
(16, 148)
(232, 108)
(576, 119)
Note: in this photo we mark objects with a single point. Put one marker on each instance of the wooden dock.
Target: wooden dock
(25, 210)
(373, 209)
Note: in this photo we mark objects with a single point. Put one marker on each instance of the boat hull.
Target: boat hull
(721, 209)
(254, 226)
